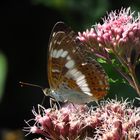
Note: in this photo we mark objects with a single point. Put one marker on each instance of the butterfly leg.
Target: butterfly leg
(54, 103)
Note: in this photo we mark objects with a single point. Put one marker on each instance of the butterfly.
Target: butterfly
(73, 75)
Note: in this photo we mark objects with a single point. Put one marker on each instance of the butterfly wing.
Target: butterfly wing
(70, 71)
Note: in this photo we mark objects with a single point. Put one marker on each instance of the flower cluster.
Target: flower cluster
(118, 35)
(110, 120)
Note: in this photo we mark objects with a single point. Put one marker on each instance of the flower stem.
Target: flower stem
(134, 82)
(125, 65)
(134, 78)
(124, 75)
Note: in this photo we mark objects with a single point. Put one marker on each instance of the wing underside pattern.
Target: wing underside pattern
(71, 69)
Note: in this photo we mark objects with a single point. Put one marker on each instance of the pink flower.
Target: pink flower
(110, 120)
(119, 33)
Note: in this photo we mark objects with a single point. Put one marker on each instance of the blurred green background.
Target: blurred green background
(25, 29)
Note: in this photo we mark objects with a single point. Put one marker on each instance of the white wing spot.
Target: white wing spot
(70, 64)
(54, 53)
(53, 34)
(81, 83)
(59, 52)
(70, 73)
(73, 71)
(58, 42)
(55, 70)
(85, 89)
(84, 84)
(68, 57)
(80, 78)
(77, 75)
(64, 54)
(83, 64)
(73, 51)
(88, 93)
(54, 42)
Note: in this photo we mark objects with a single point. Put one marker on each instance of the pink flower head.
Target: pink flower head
(119, 33)
(110, 120)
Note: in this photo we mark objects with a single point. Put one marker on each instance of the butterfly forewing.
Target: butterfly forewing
(70, 71)
(60, 42)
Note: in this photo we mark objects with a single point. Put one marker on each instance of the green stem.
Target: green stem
(125, 76)
(134, 82)
(134, 78)
(124, 64)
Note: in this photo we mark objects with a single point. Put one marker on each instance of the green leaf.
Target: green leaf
(101, 60)
(112, 80)
(3, 73)
(113, 61)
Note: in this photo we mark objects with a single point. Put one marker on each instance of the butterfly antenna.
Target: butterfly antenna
(33, 85)
(29, 84)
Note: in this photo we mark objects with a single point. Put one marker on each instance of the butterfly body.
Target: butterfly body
(73, 75)
(63, 95)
